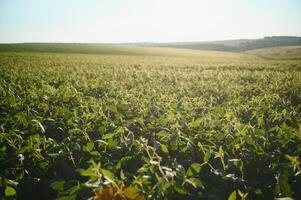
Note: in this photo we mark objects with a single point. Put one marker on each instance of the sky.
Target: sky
(121, 21)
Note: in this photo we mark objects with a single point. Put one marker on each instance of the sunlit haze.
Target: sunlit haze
(115, 21)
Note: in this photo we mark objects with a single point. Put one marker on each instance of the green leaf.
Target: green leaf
(112, 143)
(293, 159)
(196, 123)
(232, 196)
(108, 175)
(108, 136)
(9, 191)
(163, 134)
(195, 182)
(89, 147)
(194, 169)
(58, 185)
(3, 149)
(117, 131)
(69, 122)
(207, 156)
(283, 187)
(122, 176)
(90, 172)
(163, 148)
(180, 190)
(113, 108)
(95, 153)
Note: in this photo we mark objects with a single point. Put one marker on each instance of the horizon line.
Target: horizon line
(151, 42)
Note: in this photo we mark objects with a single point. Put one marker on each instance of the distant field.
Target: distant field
(288, 52)
(137, 123)
(234, 45)
(121, 50)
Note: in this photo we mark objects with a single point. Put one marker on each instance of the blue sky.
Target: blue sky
(146, 20)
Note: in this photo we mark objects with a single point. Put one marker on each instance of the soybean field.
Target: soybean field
(135, 123)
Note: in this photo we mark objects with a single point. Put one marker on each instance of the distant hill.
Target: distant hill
(288, 52)
(176, 48)
(234, 45)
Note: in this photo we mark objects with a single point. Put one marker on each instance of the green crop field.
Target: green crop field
(287, 52)
(134, 123)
